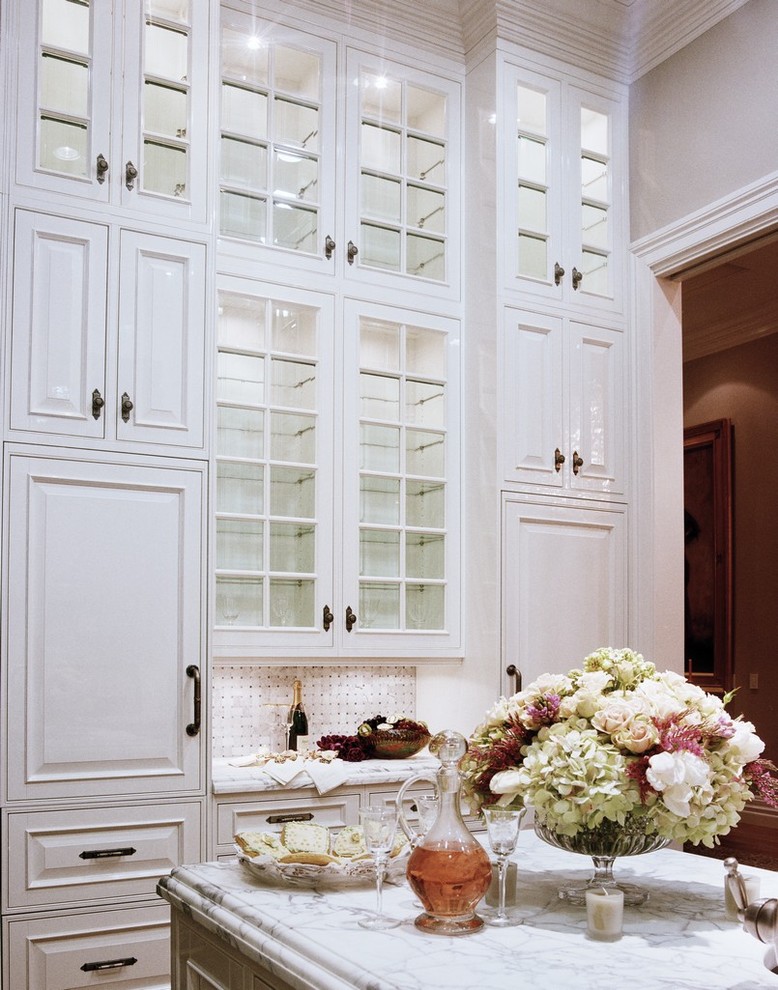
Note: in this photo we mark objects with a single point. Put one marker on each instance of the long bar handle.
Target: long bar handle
(105, 853)
(513, 671)
(109, 964)
(193, 728)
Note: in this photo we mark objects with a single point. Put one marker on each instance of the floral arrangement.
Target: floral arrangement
(355, 748)
(618, 740)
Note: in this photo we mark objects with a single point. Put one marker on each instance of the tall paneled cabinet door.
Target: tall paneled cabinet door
(105, 644)
(563, 404)
(89, 362)
(564, 581)
(112, 103)
(565, 169)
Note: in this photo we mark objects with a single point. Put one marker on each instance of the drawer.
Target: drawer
(270, 815)
(91, 855)
(126, 948)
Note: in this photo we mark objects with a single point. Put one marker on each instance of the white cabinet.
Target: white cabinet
(564, 581)
(91, 361)
(104, 631)
(312, 558)
(282, 138)
(112, 103)
(563, 404)
(565, 171)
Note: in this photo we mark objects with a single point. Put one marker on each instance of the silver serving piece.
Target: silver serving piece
(760, 917)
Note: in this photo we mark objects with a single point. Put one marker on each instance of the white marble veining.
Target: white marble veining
(679, 940)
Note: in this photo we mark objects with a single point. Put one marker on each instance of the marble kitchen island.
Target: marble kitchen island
(236, 932)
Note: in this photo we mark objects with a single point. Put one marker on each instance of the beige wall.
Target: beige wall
(741, 384)
(702, 124)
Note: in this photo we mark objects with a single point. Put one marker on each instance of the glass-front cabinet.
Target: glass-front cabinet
(309, 559)
(564, 183)
(112, 105)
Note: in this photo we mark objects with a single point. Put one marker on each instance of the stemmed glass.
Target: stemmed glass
(380, 827)
(502, 829)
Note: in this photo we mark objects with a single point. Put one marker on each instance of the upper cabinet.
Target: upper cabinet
(113, 103)
(565, 161)
(362, 181)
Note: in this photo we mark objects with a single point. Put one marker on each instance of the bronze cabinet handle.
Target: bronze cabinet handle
(351, 618)
(329, 247)
(102, 168)
(327, 618)
(130, 175)
(91, 967)
(127, 407)
(193, 728)
(97, 403)
(106, 853)
(577, 462)
(513, 671)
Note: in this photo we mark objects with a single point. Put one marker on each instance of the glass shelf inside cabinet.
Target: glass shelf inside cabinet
(402, 465)
(595, 200)
(533, 190)
(266, 463)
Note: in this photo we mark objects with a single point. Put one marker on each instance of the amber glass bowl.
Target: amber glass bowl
(398, 744)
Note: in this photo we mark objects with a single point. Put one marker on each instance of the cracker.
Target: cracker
(261, 844)
(306, 837)
(349, 842)
(314, 859)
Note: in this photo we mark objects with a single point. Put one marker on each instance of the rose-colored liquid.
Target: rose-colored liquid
(449, 879)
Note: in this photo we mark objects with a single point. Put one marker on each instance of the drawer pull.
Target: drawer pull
(109, 964)
(105, 853)
(301, 816)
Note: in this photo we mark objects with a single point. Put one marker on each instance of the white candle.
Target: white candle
(604, 913)
(752, 890)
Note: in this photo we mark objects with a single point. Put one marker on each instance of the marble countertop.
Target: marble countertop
(680, 939)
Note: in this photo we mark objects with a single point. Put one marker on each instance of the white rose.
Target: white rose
(616, 713)
(506, 782)
(637, 735)
(745, 744)
(659, 699)
(675, 775)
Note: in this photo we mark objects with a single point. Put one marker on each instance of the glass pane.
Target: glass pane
(426, 209)
(426, 257)
(239, 487)
(379, 606)
(425, 606)
(243, 164)
(379, 448)
(531, 110)
(292, 492)
(594, 220)
(294, 227)
(594, 179)
(380, 149)
(425, 404)
(242, 216)
(63, 146)
(239, 601)
(294, 329)
(379, 500)
(241, 321)
(426, 111)
(533, 260)
(65, 24)
(244, 57)
(293, 438)
(171, 10)
(532, 209)
(166, 53)
(291, 603)
(379, 397)
(292, 548)
(427, 161)
(424, 557)
(379, 553)
(379, 345)
(294, 384)
(425, 453)
(595, 271)
(239, 544)
(425, 352)
(425, 503)
(296, 124)
(594, 131)
(240, 378)
(296, 72)
(381, 198)
(64, 86)
(380, 98)
(532, 160)
(244, 112)
(240, 432)
(165, 110)
(295, 176)
(380, 247)
(164, 169)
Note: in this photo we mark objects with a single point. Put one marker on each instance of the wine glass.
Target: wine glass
(502, 829)
(379, 826)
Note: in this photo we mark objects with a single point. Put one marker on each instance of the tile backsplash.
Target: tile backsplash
(250, 702)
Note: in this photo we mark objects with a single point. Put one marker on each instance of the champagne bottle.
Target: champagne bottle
(298, 720)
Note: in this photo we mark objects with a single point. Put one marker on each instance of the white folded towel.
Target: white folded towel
(284, 773)
(327, 776)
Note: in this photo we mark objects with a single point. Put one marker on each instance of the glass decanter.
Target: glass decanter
(448, 870)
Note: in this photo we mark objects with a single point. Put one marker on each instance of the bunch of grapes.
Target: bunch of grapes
(352, 749)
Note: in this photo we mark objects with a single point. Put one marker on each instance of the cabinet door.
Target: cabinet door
(564, 583)
(161, 351)
(104, 618)
(59, 326)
